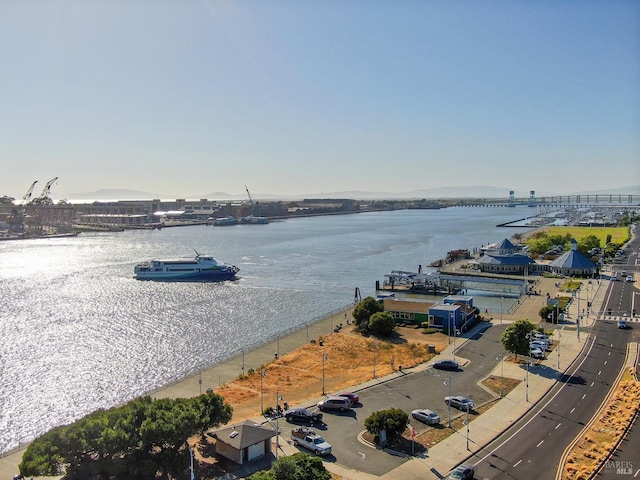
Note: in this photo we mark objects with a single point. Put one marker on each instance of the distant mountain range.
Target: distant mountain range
(439, 192)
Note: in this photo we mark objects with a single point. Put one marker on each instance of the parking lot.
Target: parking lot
(425, 388)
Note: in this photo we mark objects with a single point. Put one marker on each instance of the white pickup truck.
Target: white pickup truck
(310, 440)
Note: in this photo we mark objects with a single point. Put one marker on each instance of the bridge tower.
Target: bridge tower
(532, 198)
(512, 198)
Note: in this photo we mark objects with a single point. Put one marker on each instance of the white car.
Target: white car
(539, 344)
(541, 336)
(629, 278)
(536, 353)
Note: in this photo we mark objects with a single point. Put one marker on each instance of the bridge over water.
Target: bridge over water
(599, 199)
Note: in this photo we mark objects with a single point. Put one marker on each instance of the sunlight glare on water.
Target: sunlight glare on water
(78, 333)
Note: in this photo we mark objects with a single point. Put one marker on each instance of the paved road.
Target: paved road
(534, 450)
(422, 389)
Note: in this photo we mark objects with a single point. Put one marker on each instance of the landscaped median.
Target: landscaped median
(597, 440)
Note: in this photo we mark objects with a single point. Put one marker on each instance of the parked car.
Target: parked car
(542, 336)
(426, 416)
(536, 353)
(462, 472)
(460, 402)
(446, 365)
(353, 397)
(613, 278)
(303, 415)
(539, 344)
(311, 440)
(335, 403)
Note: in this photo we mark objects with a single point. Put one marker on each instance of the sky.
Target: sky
(186, 98)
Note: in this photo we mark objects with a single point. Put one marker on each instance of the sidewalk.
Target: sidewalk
(445, 455)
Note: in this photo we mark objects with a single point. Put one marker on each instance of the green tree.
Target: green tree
(549, 313)
(363, 311)
(514, 338)
(393, 420)
(587, 243)
(299, 466)
(608, 240)
(382, 323)
(137, 440)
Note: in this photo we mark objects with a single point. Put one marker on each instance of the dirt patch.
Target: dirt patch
(349, 359)
(297, 376)
(500, 384)
(594, 446)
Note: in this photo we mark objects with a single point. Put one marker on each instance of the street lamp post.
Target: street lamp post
(200, 380)
(447, 381)
(558, 347)
(324, 356)
(528, 359)
(500, 358)
(263, 373)
(192, 474)
(468, 404)
(375, 348)
(278, 398)
(501, 304)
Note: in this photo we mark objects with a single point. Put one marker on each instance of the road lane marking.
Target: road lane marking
(605, 362)
(517, 463)
(573, 365)
(557, 426)
(572, 410)
(541, 442)
(599, 372)
(584, 395)
(609, 354)
(592, 383)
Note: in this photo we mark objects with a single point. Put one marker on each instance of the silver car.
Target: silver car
(426, 416)
(460, 402)
(335, 403)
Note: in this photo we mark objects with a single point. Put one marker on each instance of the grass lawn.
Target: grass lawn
(618, 234)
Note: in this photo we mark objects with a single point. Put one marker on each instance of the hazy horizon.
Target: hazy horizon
(192, 97)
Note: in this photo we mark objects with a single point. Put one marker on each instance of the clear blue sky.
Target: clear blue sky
(290, 97)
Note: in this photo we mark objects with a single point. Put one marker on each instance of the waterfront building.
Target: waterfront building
(505, 257)
(573, 263)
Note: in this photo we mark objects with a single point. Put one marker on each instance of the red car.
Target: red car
(353, 397)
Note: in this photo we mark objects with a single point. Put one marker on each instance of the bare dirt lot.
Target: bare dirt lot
(348, 360)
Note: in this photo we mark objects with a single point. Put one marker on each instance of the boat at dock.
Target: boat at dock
(197, 268)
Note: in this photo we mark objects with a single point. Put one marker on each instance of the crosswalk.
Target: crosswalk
(618, 317)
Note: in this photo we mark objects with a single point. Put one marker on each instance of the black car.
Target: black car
(446, 365)
(302, 415)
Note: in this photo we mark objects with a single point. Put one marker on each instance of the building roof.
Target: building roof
(506, 260)
(395, 305)
(505, 245)
(246, 434)
(573, 259)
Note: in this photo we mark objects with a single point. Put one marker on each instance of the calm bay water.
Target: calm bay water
(78, 333)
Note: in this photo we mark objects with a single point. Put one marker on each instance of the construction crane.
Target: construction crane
(44, 196)
(27, 196)
(255, 208)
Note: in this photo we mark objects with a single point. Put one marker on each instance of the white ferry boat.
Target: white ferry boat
(200, 267)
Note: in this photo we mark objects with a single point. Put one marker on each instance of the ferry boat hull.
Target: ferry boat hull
(199, 268)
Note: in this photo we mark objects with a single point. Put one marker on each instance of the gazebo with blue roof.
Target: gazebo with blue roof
(574, 263)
